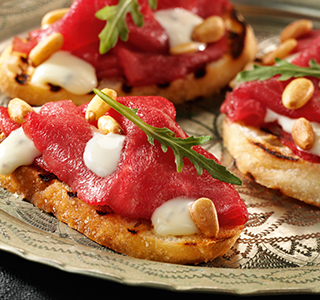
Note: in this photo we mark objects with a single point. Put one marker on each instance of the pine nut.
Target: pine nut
(210, 30)
(204, 215)
(297, 93)
(107, 124)
(296, 29)
(303, 134)
(184, 48)
(97, 107)
(283, 50)
(44, 49)
(18, 109)
(53, 16)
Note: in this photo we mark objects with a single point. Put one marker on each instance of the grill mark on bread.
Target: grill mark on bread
(201, 72)
(126, 88)
(54, 88)
(103, 210)
(275, 153)
(237, 40)
(72, 194)
(190, 244)
(24, 60)
(47, 177)
(22, 78)
(163, 85)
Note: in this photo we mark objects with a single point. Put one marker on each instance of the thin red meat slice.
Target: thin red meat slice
(146, 69)
(7, 125)
(249, 102)
(23, 46)
(252, 99)
(307, 41)
(80, 27)
(106, 66)
(151, 37)
(145, 178)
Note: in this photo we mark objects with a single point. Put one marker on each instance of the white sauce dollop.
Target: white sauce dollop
(102, 153)
(15, 151)
(179, 24)
(173, 218)
(287, 123)
(67, 71)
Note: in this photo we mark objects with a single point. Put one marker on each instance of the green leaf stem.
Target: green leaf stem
(283, 68)
(181, 147)
(116, 25)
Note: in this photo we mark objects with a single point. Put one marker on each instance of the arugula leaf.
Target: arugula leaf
(116, 23)
(181, 147)
(283, 68)
(153, 4)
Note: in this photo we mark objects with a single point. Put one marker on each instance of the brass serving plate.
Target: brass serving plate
(278, 252)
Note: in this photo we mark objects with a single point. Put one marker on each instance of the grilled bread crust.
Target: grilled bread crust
(15, 73)
(131, 237)
(272, 164)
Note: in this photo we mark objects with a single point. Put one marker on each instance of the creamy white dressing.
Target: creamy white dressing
(102, 153)
(67, 71)
(15, 151)
(287, 123)
(173, 218)
(179, 24)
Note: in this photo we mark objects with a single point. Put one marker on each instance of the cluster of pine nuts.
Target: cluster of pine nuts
(296, 94)
(296, 29)
(203, 213)
(211, 30)
(288, 40)
(300, 90)
(282, 51)
(96, 111)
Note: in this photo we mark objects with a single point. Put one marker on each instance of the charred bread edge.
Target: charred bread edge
(271, 164)
(15, 75)
(134, 238)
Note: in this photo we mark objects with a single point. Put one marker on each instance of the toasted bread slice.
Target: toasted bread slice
(271, 163)
(15, 73)
(131, 237)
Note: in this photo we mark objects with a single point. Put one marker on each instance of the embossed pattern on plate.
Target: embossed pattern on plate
(278, 252)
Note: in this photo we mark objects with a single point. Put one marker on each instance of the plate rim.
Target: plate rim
(245, 282)
(148, 281)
